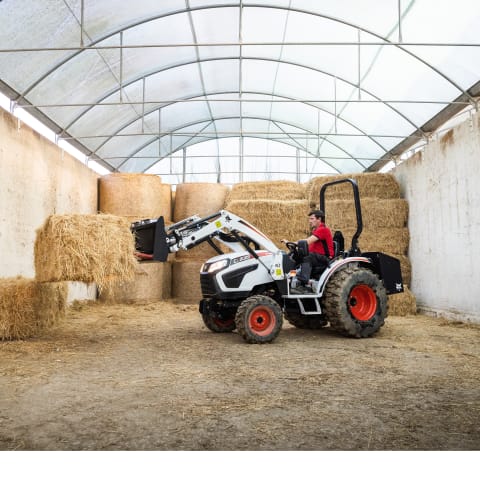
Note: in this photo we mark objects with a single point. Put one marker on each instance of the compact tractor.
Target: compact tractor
(250, 289)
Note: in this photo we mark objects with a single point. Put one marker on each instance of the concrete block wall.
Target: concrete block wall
(441, 185)
(37, 179)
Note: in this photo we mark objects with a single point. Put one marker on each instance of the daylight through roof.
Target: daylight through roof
(232, 90)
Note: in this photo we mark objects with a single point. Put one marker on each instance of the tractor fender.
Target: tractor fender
(339, 264)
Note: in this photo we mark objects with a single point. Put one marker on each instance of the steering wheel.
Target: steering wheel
(292, 247)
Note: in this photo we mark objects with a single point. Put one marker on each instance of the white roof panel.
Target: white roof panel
(134, 82)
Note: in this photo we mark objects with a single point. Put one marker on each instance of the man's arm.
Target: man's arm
(311, 239)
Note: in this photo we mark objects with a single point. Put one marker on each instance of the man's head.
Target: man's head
(315, 218)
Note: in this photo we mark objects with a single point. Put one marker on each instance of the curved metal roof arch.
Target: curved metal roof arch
(98, 101)
(98, 41)
(209, 122)
(243, 5)
(187, 124)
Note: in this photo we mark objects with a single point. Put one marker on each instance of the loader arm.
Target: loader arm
(226, 227)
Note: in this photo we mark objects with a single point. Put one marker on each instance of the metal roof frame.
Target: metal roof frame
(22, 97)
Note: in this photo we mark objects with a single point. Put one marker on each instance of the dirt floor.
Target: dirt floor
(152, 377)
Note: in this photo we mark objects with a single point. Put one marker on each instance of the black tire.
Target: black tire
(310, 322)
(355, 302)
(218, 320)
(259, 319)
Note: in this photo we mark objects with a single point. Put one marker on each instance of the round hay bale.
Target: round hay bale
(271, 190)
(198, 199)
(402, 304)
(135, 195)
(370, 185)
(27, 307)
(152, 283)
(186, 281)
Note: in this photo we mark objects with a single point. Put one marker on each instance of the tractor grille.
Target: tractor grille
(207, 283)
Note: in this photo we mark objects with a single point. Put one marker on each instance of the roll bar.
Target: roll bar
(358, 210)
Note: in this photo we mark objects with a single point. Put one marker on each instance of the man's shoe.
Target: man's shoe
(300, 290)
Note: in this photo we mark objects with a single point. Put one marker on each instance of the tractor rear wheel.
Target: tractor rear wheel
(259, 319)
(355, 302)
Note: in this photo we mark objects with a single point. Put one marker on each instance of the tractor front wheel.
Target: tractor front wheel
(259, 319)
(355, 302)
(217, 317)
(219, 322)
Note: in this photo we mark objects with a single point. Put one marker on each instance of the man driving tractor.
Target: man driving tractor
(320, 249)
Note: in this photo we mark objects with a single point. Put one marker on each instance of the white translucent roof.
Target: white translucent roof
(349, 84)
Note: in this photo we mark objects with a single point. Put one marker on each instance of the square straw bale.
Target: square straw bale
(376, 213)
(85, 248)
(402, 304)
(277, 219)
(28, 307)
(370, 185)
(387, 240)
(268, 190)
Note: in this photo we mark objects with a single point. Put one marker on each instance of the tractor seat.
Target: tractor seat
(338, 246)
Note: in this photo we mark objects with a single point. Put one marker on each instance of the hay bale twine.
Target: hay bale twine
(402, 304)
(271, 190)
(28, 308)
(277, 219)
(186, 281)
(370, 185)
(85, 248)
(152, 283)
(198, 198)
(135, 195)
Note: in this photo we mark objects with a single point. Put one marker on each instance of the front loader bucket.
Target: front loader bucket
(151, 239)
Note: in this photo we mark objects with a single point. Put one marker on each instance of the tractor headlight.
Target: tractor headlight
(216, 266)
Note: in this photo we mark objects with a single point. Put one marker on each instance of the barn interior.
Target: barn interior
(113, 112)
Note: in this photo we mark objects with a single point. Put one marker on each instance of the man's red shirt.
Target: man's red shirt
(322, 232)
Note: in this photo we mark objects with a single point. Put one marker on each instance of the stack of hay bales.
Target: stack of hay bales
(385, 217)
(136, 196)
(200, 199)
(28, 307)
(277, 208)
(87, 248)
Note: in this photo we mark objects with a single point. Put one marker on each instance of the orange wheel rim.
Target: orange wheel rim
(223, 322)
(362, 303)
(261, 321)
